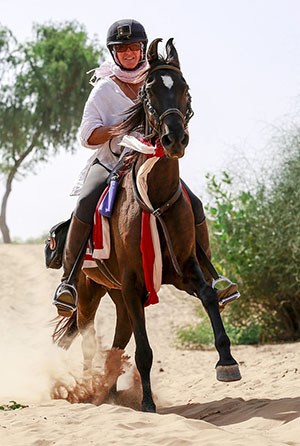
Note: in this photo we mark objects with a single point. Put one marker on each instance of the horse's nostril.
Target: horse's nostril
(185, 140)
(166, 141)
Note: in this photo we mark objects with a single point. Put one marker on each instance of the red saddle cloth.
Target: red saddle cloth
(101, 239)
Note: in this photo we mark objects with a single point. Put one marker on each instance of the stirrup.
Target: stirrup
(229, 298)
(64, 305)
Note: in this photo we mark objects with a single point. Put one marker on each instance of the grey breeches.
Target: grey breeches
(95, 184)
(91, 191)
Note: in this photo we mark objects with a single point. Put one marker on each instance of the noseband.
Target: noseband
(152, 116)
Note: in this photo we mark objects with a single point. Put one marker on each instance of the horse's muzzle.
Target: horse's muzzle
(174, 143)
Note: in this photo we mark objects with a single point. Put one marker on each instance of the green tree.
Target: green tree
(43, 88)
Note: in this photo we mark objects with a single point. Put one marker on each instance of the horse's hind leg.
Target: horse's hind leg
(143, 355)
(227, 368)
(90, 294)
(123, 330)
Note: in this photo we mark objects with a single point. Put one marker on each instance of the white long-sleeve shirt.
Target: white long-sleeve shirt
(104, 107)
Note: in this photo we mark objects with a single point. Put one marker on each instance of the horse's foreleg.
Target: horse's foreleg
(89, 297)
(143, 354)
(227, 368)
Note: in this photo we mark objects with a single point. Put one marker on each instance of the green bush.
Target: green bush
(12, 405)
(255, 238)
(195, 337)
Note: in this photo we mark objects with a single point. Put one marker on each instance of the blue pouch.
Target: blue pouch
(107, 204)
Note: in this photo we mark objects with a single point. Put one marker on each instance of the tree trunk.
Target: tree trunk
(3, 226)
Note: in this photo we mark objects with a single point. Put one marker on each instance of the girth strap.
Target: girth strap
(107, 273)
(157, 213)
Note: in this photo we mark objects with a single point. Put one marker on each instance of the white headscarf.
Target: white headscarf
(111, 68)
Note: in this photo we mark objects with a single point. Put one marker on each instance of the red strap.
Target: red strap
(148, 259)
(186, 194)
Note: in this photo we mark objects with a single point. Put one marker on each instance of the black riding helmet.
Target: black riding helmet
(126, 31)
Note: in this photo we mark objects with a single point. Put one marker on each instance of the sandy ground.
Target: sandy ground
(193, 408)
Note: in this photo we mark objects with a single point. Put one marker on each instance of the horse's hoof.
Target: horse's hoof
(149, 408)
(227, 373)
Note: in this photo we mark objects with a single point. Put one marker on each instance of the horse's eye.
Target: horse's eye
(149, 92)
(148, 88)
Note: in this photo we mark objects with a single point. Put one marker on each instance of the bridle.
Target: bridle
(153, 119)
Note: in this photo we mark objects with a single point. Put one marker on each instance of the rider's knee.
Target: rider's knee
(85, 208)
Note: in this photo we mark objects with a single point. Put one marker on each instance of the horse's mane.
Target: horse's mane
(136, 118)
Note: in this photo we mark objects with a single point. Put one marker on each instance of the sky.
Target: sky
(239, 57)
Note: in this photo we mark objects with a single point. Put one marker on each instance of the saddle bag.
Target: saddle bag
(107, 203)
(54, 245)
(115, 177)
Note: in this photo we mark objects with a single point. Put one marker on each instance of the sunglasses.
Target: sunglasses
(121, 48)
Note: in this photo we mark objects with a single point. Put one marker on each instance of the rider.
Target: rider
(116, 86)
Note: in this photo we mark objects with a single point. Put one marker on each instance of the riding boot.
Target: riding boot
(66, 296)
(226, 294)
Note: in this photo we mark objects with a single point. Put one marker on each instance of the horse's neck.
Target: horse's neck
(163, 181)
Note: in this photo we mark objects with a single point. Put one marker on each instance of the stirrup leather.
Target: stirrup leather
(73, 290)
(229, 298)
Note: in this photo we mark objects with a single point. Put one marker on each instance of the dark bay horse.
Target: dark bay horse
(163, 109)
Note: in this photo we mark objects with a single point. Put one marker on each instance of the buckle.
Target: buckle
(156, 212)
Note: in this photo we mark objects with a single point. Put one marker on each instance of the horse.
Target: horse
(164, 109)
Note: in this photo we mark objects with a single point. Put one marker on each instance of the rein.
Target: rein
(152, 114)
(157, 213)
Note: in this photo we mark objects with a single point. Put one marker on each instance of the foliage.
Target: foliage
(38, 240)
(49, 86)
(195, 337)
(256, 242)
(43, 88)
(12, 405)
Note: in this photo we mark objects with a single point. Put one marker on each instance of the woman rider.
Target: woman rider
(115, 91)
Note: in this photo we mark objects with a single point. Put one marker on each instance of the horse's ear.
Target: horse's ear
(152, 55)
(172, 55)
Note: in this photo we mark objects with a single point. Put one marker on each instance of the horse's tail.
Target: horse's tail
(65, 331)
